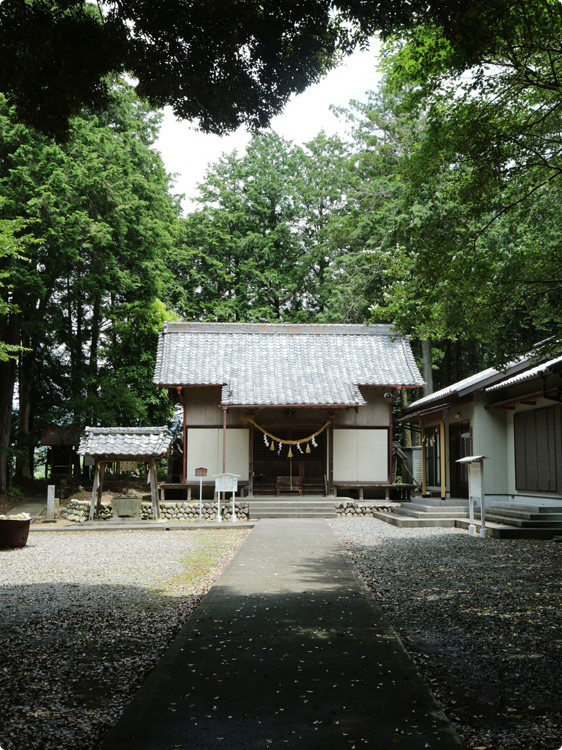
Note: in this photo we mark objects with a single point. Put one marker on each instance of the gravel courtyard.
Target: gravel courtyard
(482, 618)
(83, 616)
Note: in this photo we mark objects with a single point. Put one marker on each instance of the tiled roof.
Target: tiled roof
(127, 442)
(487, 381)
(284, 364)
(534, 372)
(467, 385)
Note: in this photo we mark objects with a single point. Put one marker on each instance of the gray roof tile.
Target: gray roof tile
(534, 372)
(284, 364)
(127, 442)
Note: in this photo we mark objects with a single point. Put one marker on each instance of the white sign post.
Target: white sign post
(226, 483)
(201, 472)
(475, 491)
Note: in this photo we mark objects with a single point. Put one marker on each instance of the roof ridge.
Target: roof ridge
(360, 329)
(130, 430)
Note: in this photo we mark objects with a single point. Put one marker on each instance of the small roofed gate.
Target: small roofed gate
(107, 445)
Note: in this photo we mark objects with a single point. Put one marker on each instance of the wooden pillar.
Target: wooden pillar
(97, 488)
(389, 441)
(251, 463)
(224, 410)
(442, 458)
(94, 490)
(331, 459)
(424, 455)
(100, 486)
(184, 441)
(153, 479)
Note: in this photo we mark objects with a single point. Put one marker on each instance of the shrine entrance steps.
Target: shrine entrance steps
(292, 507)
(503, 520)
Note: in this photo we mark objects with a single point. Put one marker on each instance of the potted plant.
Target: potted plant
(14, 530)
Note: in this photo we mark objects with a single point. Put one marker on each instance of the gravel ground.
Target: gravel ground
(84, 616)
(482, 618)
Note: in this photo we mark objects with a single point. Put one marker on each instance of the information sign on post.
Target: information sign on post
(226, 483)
(201, 472)
(475, 491)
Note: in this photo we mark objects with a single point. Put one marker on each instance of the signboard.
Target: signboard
(475, 492)
(226, 482)
(201, 471)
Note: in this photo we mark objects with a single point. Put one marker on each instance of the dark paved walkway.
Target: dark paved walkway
(288, 650)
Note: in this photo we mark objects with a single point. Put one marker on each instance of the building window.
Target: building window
(432, 456)
(538, 450)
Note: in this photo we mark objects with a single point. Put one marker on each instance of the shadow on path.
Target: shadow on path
(287, 650)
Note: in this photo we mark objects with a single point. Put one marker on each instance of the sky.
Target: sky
(187, 153)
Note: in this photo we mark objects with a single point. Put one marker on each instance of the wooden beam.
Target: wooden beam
(185, 441)
(251, 462)
(389, 443)
(94, 490)
(424, 456)
(153, 479)
(224, 408)
(100, 486)
(330, 443)
(442, 458)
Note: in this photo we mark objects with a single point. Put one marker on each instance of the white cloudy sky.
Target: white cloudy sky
(187, 153)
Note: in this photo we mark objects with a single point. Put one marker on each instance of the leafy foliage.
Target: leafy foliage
(256, 250)
(485, 183)
(221, 63)
(85, 301)
(12, 246)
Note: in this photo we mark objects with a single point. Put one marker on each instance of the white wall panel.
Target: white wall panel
(237, 452)
(345, 455)
(360, 455)
(372, 453)
(204, 448)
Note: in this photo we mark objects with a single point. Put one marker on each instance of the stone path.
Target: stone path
(287, 650)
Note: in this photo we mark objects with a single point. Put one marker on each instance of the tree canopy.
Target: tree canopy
(84, 301)
(221, 63)
(256, 247)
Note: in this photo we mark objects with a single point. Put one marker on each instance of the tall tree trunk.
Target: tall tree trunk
(427, 366)
(407, 430)
(10, 335)
(24, 462)
(93, 360)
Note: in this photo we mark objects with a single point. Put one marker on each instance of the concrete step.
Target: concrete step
(524, 514)
(286, 508)
(420, 511)
(511, 520)
(293, 514)
(410, 522)
(423, 506)
(503, 531)
(438, 503)
(528, 508)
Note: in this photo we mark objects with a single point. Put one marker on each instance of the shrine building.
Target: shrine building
(289, 408)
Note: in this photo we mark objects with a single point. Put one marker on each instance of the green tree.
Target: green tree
(487, 170)
(257, 248)
(87, 312)
(225, 64)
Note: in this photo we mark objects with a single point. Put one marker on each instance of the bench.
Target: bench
(286, 484)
